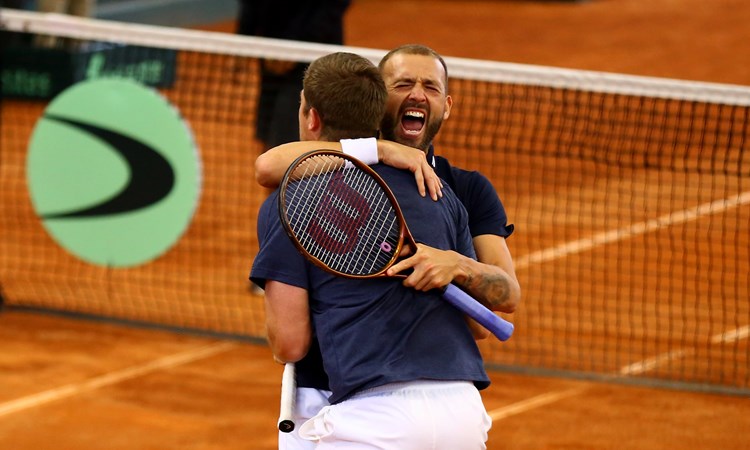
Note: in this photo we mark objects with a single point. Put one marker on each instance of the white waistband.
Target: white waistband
(420, 385)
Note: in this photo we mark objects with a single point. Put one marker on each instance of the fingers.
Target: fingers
(419, 177)
(430, 269)
(414, 160)
(426, 177)
(435, 186)
(406, 250)
(399, 267)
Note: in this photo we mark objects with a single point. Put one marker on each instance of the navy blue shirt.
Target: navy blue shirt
(486, 216)
(376, 331)
(486, 212)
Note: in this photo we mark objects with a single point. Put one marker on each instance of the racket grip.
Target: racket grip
(462, 301)
(288, 392)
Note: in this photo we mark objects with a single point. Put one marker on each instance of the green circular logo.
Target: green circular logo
(113, 172)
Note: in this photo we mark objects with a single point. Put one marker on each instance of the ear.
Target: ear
(313, 123)
(448, 106)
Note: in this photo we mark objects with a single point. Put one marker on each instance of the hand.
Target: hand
(414, 160)
(431, 268)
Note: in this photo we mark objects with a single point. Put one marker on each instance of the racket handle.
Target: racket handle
(472, 308)
(288, 393)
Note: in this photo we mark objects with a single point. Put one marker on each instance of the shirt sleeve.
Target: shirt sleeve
(277, 259)
(486, 211)
(479, 197)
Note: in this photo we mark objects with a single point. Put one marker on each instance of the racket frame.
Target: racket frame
(403, 233)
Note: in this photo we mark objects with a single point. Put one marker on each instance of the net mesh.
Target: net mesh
(630, 197)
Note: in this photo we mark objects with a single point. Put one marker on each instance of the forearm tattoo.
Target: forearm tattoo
(495, 289)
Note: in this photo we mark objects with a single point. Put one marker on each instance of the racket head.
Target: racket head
(341, 214)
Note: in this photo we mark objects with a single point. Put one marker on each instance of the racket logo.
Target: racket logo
(345, 211)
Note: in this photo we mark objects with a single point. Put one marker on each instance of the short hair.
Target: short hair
(415, 49)
(348, 93)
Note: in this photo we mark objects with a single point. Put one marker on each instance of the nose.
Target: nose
(417, 93)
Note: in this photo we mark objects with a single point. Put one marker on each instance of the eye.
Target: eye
(433, 88)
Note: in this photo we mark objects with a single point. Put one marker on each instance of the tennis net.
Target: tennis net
(630, 196)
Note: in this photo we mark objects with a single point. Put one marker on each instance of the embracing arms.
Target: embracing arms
(271, 165)
(491, 279)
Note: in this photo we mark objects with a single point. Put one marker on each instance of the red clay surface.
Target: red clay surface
(71, 384)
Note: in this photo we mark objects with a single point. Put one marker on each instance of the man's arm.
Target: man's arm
(271, 165)
(491, 280)
(498, 281)
(287, 321)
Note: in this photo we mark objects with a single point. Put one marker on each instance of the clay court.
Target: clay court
(72, 382)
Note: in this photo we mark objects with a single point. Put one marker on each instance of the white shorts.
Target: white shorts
(307, 403)
(418, 415)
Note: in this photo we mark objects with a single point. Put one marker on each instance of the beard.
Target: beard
(391, 130)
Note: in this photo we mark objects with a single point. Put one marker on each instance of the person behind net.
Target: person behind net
(407, 376)
(418, 103)
(82, 8)
(310, 21)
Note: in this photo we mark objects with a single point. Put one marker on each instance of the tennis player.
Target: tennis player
(417, 79)
(403, 367)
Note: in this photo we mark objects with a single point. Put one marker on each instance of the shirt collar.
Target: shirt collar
(431, 156)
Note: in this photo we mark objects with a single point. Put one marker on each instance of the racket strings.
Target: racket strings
(378, 238)
(340, 207)
(342, 217)
(368, 255)
(306, 197)
(301, 193)
(304, 206)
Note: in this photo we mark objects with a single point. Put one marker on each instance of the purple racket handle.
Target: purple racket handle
(472, 308)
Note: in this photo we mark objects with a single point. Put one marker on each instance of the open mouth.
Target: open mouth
(413, 122)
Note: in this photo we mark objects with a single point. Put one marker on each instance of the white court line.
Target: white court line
(650, 364)
(70, 390)
(636, 229)
(533, 403)
(607, 237)
(497, 414)
(637, 368)
(728, 337)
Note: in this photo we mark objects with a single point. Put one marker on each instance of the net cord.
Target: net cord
(257, 47)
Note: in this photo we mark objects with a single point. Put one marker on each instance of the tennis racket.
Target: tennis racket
(288, 392)
(343, 217)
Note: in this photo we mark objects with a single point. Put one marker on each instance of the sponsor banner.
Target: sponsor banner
(113, 172)
(42, 73)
